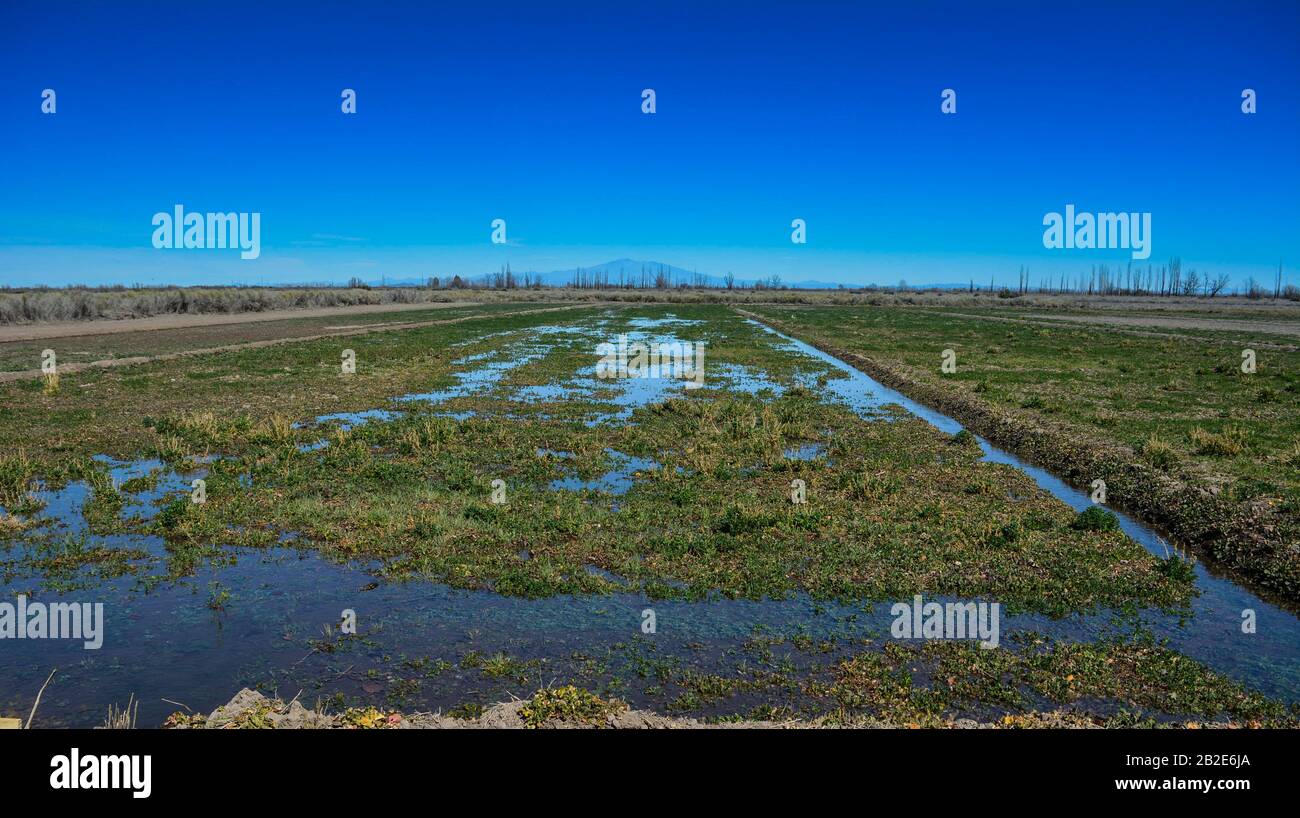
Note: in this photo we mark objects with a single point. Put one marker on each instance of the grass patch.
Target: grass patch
(567, 705)
(1227, 443)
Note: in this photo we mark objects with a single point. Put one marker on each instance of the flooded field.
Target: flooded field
(723, 536)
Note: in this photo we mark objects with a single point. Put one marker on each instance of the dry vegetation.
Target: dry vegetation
(88, 304)
(44, 304)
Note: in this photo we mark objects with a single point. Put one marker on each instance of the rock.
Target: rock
(251, 709)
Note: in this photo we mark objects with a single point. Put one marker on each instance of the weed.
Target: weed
(1224, 444)
(1157, 452)
(1095, 518)
(568, 705)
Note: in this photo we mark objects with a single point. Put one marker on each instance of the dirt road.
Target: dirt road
(339, 332)
(1146, 326)
(1179, 322)
(67, 329)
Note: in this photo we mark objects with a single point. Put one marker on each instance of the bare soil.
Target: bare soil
(1291, 328)
(1152, 326)
(337, 332)
(67, 329)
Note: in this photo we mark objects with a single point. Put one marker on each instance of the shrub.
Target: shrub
(1177, 569)
(1095, 518)
(963, 438)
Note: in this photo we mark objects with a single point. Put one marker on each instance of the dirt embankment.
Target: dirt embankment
(1211, 322)
(251, 710)
(336, 333)
(1144, 327)
(1250, 539)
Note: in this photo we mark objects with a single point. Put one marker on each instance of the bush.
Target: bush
(1095, 518)
(1177, 569)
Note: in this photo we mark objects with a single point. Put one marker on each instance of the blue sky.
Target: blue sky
(531, 112)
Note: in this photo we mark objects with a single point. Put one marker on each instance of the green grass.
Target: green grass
(1122, 386)
(1191, 395)
(1180, 435)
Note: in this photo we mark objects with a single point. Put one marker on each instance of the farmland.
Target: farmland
(1154, 406)
(499, 519)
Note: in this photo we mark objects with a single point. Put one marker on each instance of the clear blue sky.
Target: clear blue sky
(531, 112)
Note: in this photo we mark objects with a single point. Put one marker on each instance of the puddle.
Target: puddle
(668, 320)
(616, 481)
(806, 451)
(348, 420)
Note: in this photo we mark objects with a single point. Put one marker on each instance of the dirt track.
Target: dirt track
(340, 332)
(1179, 322)
(1143, 326)
(68, 329)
